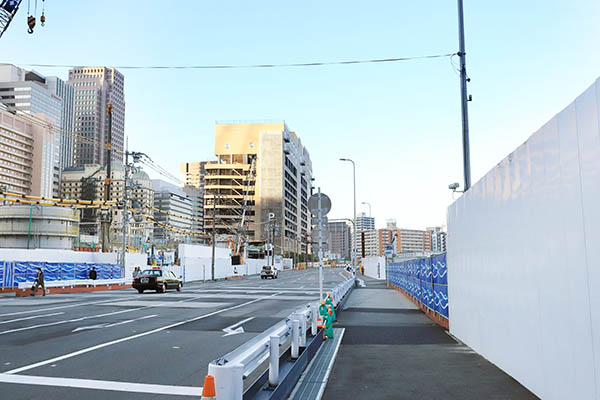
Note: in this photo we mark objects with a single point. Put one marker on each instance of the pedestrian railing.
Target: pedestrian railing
(231, 370)
(77, 282)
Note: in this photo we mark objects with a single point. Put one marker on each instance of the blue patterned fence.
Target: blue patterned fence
(424, 278)
(14, 272)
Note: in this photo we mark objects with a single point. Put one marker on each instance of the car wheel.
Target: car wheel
(140, 291)
(179, 287)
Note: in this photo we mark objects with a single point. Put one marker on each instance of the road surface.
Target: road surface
(125, 345)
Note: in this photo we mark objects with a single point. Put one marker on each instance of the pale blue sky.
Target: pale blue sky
(400, 121)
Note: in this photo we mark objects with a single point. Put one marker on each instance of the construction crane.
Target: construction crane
(9, 8)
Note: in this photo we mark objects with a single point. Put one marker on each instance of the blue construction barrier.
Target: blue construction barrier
(14, 272)
(425, 278)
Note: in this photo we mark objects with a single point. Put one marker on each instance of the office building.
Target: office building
(88, 182)
(31, 93)
(438, 239)
(339, 239)
(95, 87)
(66, 93)
(172, 212)
(196, 196)
(412, 240)
(262, 170)
(26, 154)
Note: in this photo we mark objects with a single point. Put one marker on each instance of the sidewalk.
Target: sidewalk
(391, 350)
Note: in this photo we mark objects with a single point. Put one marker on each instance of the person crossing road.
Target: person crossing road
(39, 282)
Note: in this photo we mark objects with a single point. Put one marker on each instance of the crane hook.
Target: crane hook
(30, 23)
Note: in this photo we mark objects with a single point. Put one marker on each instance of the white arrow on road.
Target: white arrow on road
(100, 326)
(236, 328)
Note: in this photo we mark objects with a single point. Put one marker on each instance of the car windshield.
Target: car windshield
(152, 272)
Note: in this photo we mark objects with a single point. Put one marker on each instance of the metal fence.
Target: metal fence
(14, 272)
(425, 278)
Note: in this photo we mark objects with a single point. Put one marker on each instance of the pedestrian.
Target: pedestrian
(93, 273)
(39, 282)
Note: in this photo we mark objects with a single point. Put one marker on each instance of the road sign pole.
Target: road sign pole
(320, 247)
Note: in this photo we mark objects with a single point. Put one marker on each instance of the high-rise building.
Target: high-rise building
(438, 239)
(67, 95)
(262, 170)
(172, 210)
(95, 87)
(26, 154)
(339, 239)
(364, 223)
(196, 196)
(31, 93)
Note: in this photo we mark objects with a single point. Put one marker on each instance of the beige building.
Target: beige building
(87, 183)
(95, 87)
(262, 169)
(27, 153)
(369, 239)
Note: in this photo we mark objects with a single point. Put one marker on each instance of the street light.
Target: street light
(369, 204)
(354, 216)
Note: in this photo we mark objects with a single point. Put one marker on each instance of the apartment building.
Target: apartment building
(369, 239)
(95, 87)
(262, 170)
(438, 239)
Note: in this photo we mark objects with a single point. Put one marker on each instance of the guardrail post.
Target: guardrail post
(273, 360)
(313, 319)
(302, 330)
(229, 384)
(295, 338)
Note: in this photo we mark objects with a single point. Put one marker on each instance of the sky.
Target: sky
(400, 122)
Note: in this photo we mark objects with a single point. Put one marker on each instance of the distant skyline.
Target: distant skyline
(400, 121)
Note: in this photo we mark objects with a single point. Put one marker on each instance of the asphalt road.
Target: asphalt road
(125, 345)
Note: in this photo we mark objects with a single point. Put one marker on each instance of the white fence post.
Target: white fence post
(295, 337)
(274, 360)
(229, 384)
(313, 319)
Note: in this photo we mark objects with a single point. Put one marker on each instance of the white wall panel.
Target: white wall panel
(522, 266)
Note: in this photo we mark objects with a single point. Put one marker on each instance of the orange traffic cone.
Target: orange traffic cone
(319, 322)
(208, 390)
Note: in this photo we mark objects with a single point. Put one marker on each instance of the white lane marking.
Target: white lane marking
(127, 338)
(68, 321)
(35, 316)
(236, 328)
(100, 326)
(58, 307)
(172, 304)
(102, 385)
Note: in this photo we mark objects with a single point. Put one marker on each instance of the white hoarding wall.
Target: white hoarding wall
(196, 264)
(523, 266)
(374, 267)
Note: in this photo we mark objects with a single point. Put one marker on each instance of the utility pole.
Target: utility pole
(464, 98)
(320, 216)
(107, 215)
(125, 208)
(214, 237)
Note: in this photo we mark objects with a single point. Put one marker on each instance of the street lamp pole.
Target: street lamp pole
(369, 204)
(354, 216)
(464, 98)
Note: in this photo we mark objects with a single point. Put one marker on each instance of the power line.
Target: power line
(253, 66)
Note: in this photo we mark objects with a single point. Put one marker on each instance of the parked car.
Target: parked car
(156, 279)
(269, 272)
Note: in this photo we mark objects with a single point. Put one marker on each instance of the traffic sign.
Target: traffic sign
(315, 221)
(313, 204)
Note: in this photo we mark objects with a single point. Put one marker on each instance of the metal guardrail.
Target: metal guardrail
(230, 370)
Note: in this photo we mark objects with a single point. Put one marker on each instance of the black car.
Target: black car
(156, 279)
